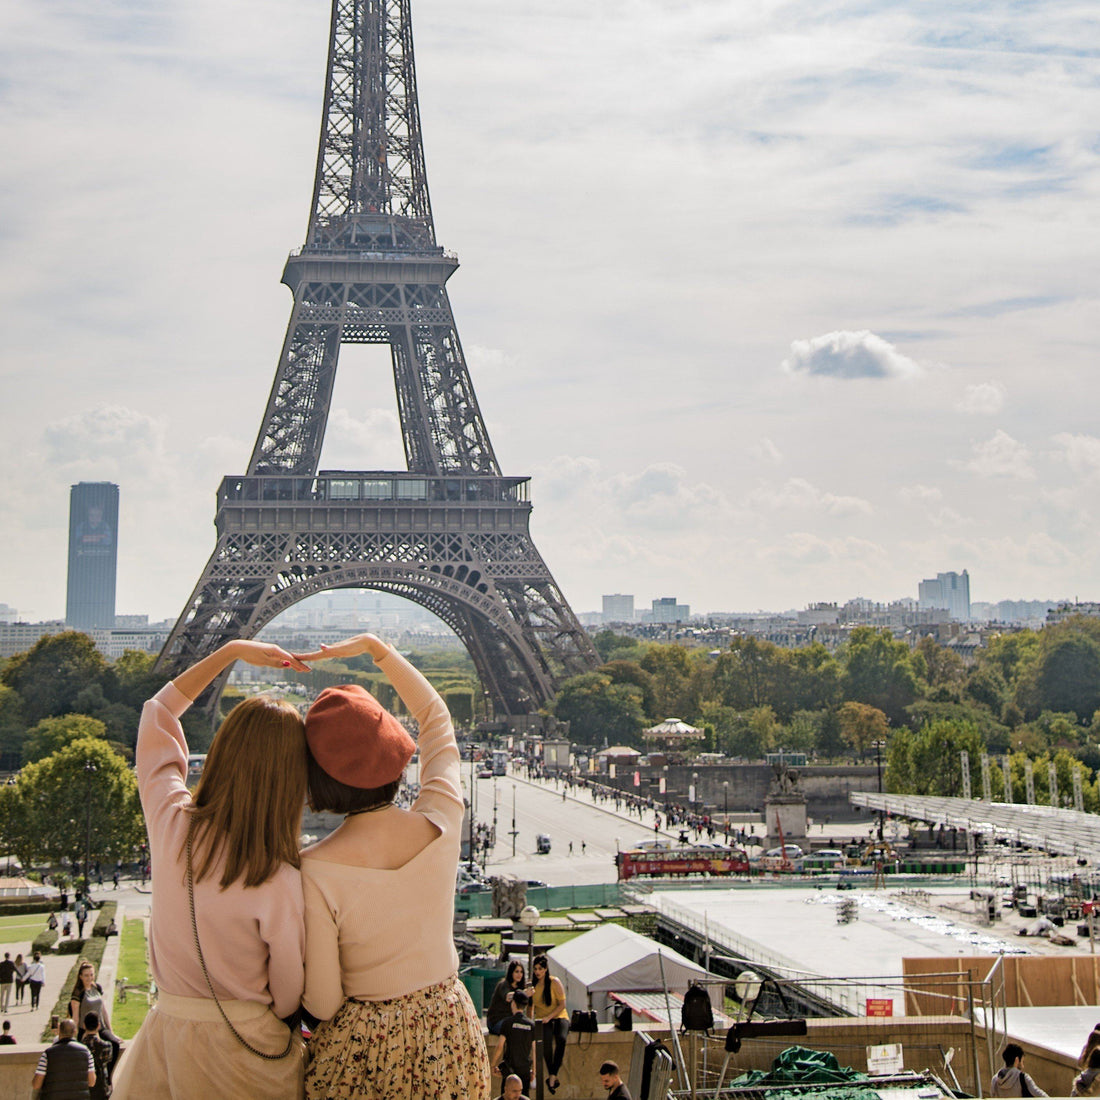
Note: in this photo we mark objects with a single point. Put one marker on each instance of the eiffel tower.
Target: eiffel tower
(450, 533)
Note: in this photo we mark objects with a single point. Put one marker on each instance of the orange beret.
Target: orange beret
(355, 739)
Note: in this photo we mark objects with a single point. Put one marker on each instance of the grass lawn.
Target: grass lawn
(133, 965)
(21, 927)
(491, 940)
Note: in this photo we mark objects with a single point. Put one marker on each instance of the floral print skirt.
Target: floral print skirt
(426, 1045)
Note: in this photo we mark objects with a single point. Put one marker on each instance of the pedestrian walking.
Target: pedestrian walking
(7, 981)
(114, 879)
(1010, 1079)
(20, 978)
(36, 976)
(81, 917)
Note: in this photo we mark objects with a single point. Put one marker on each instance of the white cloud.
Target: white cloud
(1080, 452)
(1001, 456)
(982, 399)
(111, 438)
(926, 494)
(849, 355)
(798, 494)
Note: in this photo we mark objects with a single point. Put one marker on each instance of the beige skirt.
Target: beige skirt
(185, 1051)
(427, 1045)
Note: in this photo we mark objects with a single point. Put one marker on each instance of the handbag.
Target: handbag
(583, 1021)
(624, 1016)
(202, 962)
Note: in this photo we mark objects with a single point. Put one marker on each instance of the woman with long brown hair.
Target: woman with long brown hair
(227, 934)
(381, 966)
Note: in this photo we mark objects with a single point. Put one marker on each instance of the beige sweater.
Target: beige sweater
(377, 934)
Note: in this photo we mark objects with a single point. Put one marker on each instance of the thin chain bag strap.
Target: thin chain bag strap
(202, 962)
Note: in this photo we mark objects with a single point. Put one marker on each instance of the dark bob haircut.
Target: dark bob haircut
(328, 795)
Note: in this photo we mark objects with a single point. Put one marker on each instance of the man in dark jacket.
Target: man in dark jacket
(65, 1069)
(7, 978)
(517, 1035)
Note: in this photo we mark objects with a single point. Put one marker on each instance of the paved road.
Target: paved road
(539, 808)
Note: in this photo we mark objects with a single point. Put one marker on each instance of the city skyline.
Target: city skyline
(844, 345)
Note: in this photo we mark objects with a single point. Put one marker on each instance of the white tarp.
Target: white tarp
(612, 959)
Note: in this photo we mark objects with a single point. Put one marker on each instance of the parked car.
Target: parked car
(791, 851)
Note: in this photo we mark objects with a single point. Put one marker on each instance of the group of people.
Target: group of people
(249, 937)
(513, 1011)
(18, 975)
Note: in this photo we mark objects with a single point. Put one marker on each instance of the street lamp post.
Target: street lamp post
(878, 769)
(89, 771)
(529, 918)
(514, 829)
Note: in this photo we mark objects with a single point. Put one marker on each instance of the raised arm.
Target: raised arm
(201, 675)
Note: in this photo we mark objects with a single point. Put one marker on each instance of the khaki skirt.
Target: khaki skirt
(426, 1045)
(184, 1051)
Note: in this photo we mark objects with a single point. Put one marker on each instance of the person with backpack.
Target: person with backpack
(102, 1056)
(1010, 1079)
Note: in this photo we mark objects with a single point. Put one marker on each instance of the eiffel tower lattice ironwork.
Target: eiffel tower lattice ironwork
(450, 533)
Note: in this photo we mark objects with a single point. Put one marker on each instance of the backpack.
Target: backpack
(696, 1014)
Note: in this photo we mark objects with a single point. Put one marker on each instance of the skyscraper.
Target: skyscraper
(93, 555)
(618, 608)
(948, 591)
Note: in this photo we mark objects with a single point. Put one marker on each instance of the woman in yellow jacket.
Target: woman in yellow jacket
(548, 1005)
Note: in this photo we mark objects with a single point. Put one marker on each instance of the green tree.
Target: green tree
(929, 761)
(13, 727)
(598, 710)
(611, 646)
(1068, 675)
(670, 670)
(748, 674)
(880, 672)
(53, 672)
(810, 680)
(803, 731)
(50, 735)
(45, 811)
(630, 672)
(944, 668)
(861, 725)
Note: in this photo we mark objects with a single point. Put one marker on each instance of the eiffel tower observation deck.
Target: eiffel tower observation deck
(450, 532)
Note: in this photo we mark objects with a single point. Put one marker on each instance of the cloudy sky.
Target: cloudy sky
(775, 301)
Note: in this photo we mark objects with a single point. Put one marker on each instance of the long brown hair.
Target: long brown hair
(249, 799)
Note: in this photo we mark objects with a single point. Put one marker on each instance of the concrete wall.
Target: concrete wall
(825, 787)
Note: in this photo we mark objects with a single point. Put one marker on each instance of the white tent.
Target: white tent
(612, 959)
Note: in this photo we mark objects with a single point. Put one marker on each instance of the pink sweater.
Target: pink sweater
(253, 938)
(376, 934)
